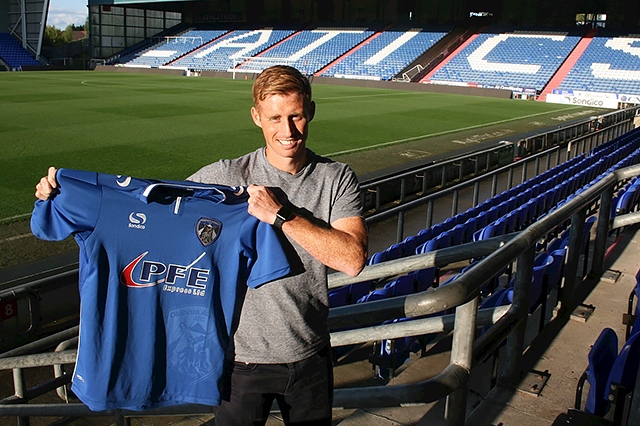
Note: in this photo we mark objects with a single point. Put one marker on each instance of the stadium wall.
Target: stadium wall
(4, 16)
(433, 88)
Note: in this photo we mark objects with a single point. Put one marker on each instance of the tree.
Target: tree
(55, 37)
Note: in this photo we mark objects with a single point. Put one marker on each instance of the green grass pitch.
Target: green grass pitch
(161, 126)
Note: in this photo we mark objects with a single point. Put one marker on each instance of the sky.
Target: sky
(65, 12)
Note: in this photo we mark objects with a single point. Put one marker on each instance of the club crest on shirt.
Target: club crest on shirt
(190, 348)
(208, 230)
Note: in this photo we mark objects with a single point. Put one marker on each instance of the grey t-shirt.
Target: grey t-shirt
(286, 320)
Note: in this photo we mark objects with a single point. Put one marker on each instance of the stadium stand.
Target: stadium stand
(311, 50)
(170, 48)
(13, 54)
(384, 55)
(224, 53)
(514, 59)
(609, 64)
(494, 58)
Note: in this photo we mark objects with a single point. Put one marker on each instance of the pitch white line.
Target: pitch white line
(445, 132)
(20, 216)
(16, 237)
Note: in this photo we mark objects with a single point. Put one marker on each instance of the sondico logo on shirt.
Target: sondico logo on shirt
(123, 181)
(137, 220)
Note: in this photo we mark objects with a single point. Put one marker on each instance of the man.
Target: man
(281, 347)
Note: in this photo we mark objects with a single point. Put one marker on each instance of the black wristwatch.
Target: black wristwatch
(283, 215)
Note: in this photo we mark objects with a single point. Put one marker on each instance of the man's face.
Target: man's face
(284, 123)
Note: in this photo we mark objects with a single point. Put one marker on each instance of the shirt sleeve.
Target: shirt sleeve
(347, 201)
(74, 209)
(267, 258)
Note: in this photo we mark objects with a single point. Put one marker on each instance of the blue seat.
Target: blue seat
(409, 245)
(623, 375)
(443, 240)
(482, 220)
(394, 252)
(627, 201)
(389, 354)
(424, 278)
(633, 314)
(358, 290)
(494, 299)
(470, 227)
(377, 257)
(457, 234)
(379, 294)
(556, 269)
(510, 222)
(522, 217)
(498, 227)
(601, 359)
(402, 286)
(425, 235)
(540, 281)
(339, 297)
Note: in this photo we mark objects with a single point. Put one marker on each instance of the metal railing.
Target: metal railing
(395, 195)
(462, 294)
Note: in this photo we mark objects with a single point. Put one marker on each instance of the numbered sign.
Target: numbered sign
(8, 309)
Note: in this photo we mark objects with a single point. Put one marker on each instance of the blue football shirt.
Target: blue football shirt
(162, 268)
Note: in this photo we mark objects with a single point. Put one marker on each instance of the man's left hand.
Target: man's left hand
(263, 204)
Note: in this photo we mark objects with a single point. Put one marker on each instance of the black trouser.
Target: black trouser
(303, 390)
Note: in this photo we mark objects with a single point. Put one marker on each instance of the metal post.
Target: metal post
(571, 267)
(494, 185)
(602, 231)
(454, 203)
(461, 355)
(400, 230)
(510, 178)
(429, 214)
(20, 392)
(515, 341)
(476, 193)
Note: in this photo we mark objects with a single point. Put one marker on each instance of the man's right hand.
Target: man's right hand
(47, 185)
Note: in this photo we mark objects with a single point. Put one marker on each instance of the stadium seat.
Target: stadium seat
(601, 359)
(338, 297)
(402, 286)
(622, 378)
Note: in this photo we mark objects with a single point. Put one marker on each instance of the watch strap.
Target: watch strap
(283, 215)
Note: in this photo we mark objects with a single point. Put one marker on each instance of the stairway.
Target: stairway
(567, 65)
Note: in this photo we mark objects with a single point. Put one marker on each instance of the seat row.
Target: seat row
(507, 212)
(611, 375)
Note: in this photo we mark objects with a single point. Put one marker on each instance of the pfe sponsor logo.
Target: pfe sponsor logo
(140, 273)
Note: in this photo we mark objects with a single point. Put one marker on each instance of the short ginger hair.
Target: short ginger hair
(280, 80)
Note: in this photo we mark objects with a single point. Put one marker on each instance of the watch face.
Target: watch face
(285, 214)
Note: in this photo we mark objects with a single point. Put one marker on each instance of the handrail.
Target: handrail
(463, 289)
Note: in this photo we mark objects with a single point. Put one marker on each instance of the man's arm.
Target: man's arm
(342, 246)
